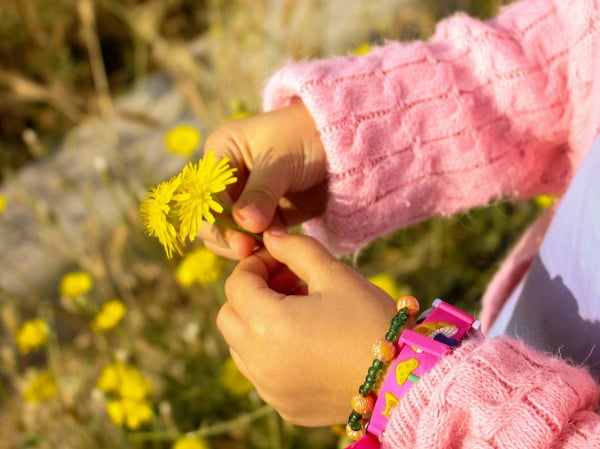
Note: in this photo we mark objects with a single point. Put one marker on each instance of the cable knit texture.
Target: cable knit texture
(481, 111)
(498, 394)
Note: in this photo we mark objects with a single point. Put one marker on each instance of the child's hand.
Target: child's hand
(281, 175)
(306, 347)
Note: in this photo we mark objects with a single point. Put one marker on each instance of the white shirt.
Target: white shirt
(556, 307)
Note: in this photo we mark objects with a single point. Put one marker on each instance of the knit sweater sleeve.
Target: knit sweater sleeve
(498, 394)
(481, 111)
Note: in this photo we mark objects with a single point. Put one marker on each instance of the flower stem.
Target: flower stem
(233, 225)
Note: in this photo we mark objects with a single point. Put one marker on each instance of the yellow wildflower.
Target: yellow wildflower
(190, 442)
(182, 140)
(124, 380)
(233, 381)
(32, 335)
(238, 110)
(238, 115)
(111, 313)
(41, 386)
(156, 213)
(174, 210)
(544, 201)
(2, 203)
(128, 389)
(128, 412)
(75, 284)
(200, 266)
(387, 283)
(362, 49)
(199, 182)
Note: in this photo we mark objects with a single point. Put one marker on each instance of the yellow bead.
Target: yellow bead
(355, 435)
(362, 404)
(384, 350)
(410, 302)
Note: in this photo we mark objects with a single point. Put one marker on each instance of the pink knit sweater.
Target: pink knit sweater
(480, 112)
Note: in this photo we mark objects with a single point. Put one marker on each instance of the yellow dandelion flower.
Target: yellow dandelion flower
(190, 442)
(195, 201)
(200, 266)
(544, 201)
(387, 283)
(362, 49)
(111, 313)
(174, 210)
(238, 110)
(2, 203)
(128, 412)
(33, 334)
(75, 284)
(156, 213)
(41, 386)
(238, 115)
(124, 380)
(233, 381)
(183, 140)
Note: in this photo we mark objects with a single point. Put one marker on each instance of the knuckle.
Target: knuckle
(228, 141)
(264, 194)
(263, 329)
(221, 317)
(230, 287)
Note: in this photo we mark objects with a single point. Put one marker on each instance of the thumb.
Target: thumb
(304, 255)
(267, 183)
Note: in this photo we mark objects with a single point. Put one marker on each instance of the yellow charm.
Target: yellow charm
(391, 401)
(405, 369)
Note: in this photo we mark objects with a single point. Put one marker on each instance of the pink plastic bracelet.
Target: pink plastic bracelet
(418, 351)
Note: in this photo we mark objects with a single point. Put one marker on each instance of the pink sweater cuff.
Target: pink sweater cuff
(498, 394)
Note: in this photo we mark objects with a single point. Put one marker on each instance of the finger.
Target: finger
(251, 145)
(227, 242)
(284, 281)
(277, 164)
(304, 255)
(241, 366)
(247, 288)
(233, 329)
(268, 181)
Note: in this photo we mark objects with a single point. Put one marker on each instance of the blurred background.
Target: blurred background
(103, 341)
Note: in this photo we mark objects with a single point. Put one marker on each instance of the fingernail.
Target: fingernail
(244, 210)
(251, 216)
(277, 231)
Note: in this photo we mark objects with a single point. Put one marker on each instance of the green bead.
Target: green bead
(378, 364)
(355, 425)
(364, 389)
(392, 336)
(373, 372)
(398, 321)
(354, 416)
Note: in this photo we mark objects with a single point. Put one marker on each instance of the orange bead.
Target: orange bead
(362, 404)
(355, 435)
(410, 302)
(384, 350)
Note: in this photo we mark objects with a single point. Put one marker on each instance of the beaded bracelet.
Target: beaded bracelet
(438, 332)
(383, 352)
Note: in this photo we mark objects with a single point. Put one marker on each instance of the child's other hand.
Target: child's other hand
(281, 175)
(305, 346)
